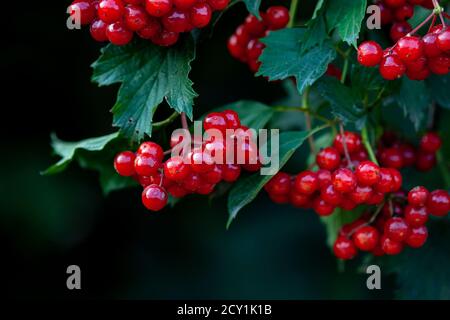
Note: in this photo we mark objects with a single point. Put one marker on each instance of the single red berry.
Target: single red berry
(150, 31)
(395, 3)
(232, 119)
(344, 248)
(347, 204)
(390, 247)
(443, 40)
(192, 182)
(418, 196)
(425, 161)
(361, 194)
(200, 161)
(417, 65)
(376, 198)
(279, 184)
(404, 12)
(438, 203)
(416, 216)
(386, 181)
(276, 17)
(200, 15)
(98, 30)
(324, 177)
(118, 34)
(254, 49)
(299, 200)
(430, 142)
(352, 140)
(408, 154)
(85, 10)
(176, 21)
(328, 159)
(370, 53)
(254, 27)
(396, 229)
(306, 182)
(177, 191)
(386, 14)
(153, 149)
(397, 180)
(136, 17)
(146, 165)
(110, 11)
(392, 67)
(205, 189)
(124, 163)
(215, 120)
(334, 71)
(399, 30)
(417, 237)
(430, 46)
(392, 158)
(322, 208)
(367, 173)
(231, 172)
(184, 4)
(158, 8)
(154, 197)
(165, 38)
(213, 176)
(330, 195)
(439, 65)
(218, 4)
(344, 180)
(175, 169)
(279, 198)
(366, 238)
(236, 49)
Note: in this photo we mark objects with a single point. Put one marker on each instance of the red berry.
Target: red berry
(200, 15)
(328, 159)
(367, 173)
(151, 30)
(85, 9)
(376, 198)
(98, 30)
(184, 4)
(344, 248)
(177, 191)
(276, 17)
(279, 184)
(352, 140)
(370, 53)
(392, 67)
(231, 172)
(279, 198)
(418, 196)
(176, 21)
(399, 30)
(330, 195)
(392, 158)
(395, 3)
(425, 160)
(205, 189)
(165, 38)
(146, 165)
(232, 119)
(235, 48)
(158, 8)
(430, 46)
(430, 142)
(416, 216)
(299, 200)
(254, 49)
(389, 246)
(386, 14)
(438, 203)
(154, 197)
(153, 149)
(408, 154)
(386, 181)
(443, 40)
(366, 238)
(218, 4)
(361, 194)
(215, 120)
(404, 12)
(254, 27)
(348, 204)
(175, 169)
(322, 208)
(136, 17)
(192, 182)
(118, 34)
(124, 163)
(306, 182)
(324, 177)
(396, 229)
(417, 237)
(344, 180)
(110, 11)
(397, 180)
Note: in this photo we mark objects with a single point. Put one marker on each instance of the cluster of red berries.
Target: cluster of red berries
(416, 57)
(393, 153)
(197, 171)
(334, 184)
(399, 222)
(244, 44)
(160, 21)
(396, 12)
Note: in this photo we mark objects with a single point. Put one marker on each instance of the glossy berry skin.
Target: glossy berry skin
(158, 8)
(367, 173)
(344, 248)
(85, 9)
(230, 172)
(279, 184)
(416, 216)
(118, 34)
(324, 177)
(366, 238)
(404, 12)
(397, 180)
(409, 48)
(361, 194)
(430, 46)
(110, 11)
(392, 158)
(151, 148)
(438, 203)
(408, 154)
(218, 4)
(184, 4)
(306, 182)
(254, 49)
(328, 159)
(390, 247)
(430, 142)
(386, 182)
(166, 38)
(215, 120)
(417, 237)
(392, 67)
(396, 229)
(154, 197)
(151, 30)
(200, 15)
(124, 164)
(254, 27)
(399, 30)
(352, 140)
(276, 17)
(330, 195)
(299, 200)
(175, 169)
(443, 40)
(344, 180)
(98, 30)
(370, 53)
(176, 21)
(322, 208)
(136, 17)
(146, 165)
(201, 162)
(418, 196)
(232, 119)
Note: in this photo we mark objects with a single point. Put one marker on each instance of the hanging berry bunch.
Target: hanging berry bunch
(160, 21)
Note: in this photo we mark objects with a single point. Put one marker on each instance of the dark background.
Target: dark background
(49, 223)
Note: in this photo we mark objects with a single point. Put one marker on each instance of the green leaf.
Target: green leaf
(246, 189)
(316, 31)
(253, 7)
(337, 220)
(148, 74)
(415, 99)
(68, 150)
(438, 86)
(347, 16)
(283, 58)
(344, 103)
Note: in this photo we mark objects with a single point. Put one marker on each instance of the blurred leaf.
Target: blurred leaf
(438, 86)
(415, 99)
(148, 74)
(246, 189)
(253, 7)
(283, 58)
(347, 16)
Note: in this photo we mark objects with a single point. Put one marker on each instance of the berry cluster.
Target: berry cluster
(396, 12)
(394, 153)
(196, 171)
(244, 44)
(399, 222)
(334, 184)
(160, 21)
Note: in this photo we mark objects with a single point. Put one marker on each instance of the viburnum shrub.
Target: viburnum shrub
(364, 148)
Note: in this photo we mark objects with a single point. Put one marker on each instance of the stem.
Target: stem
(344, 70)
(184, 122)
(347, 155)
(366, 142)
(372, 219)
(424, 22)
(438, 10)
(167, 121)
(305, 104)
(304, 110)
(292, 13)
(432, 23)
(444, 169)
